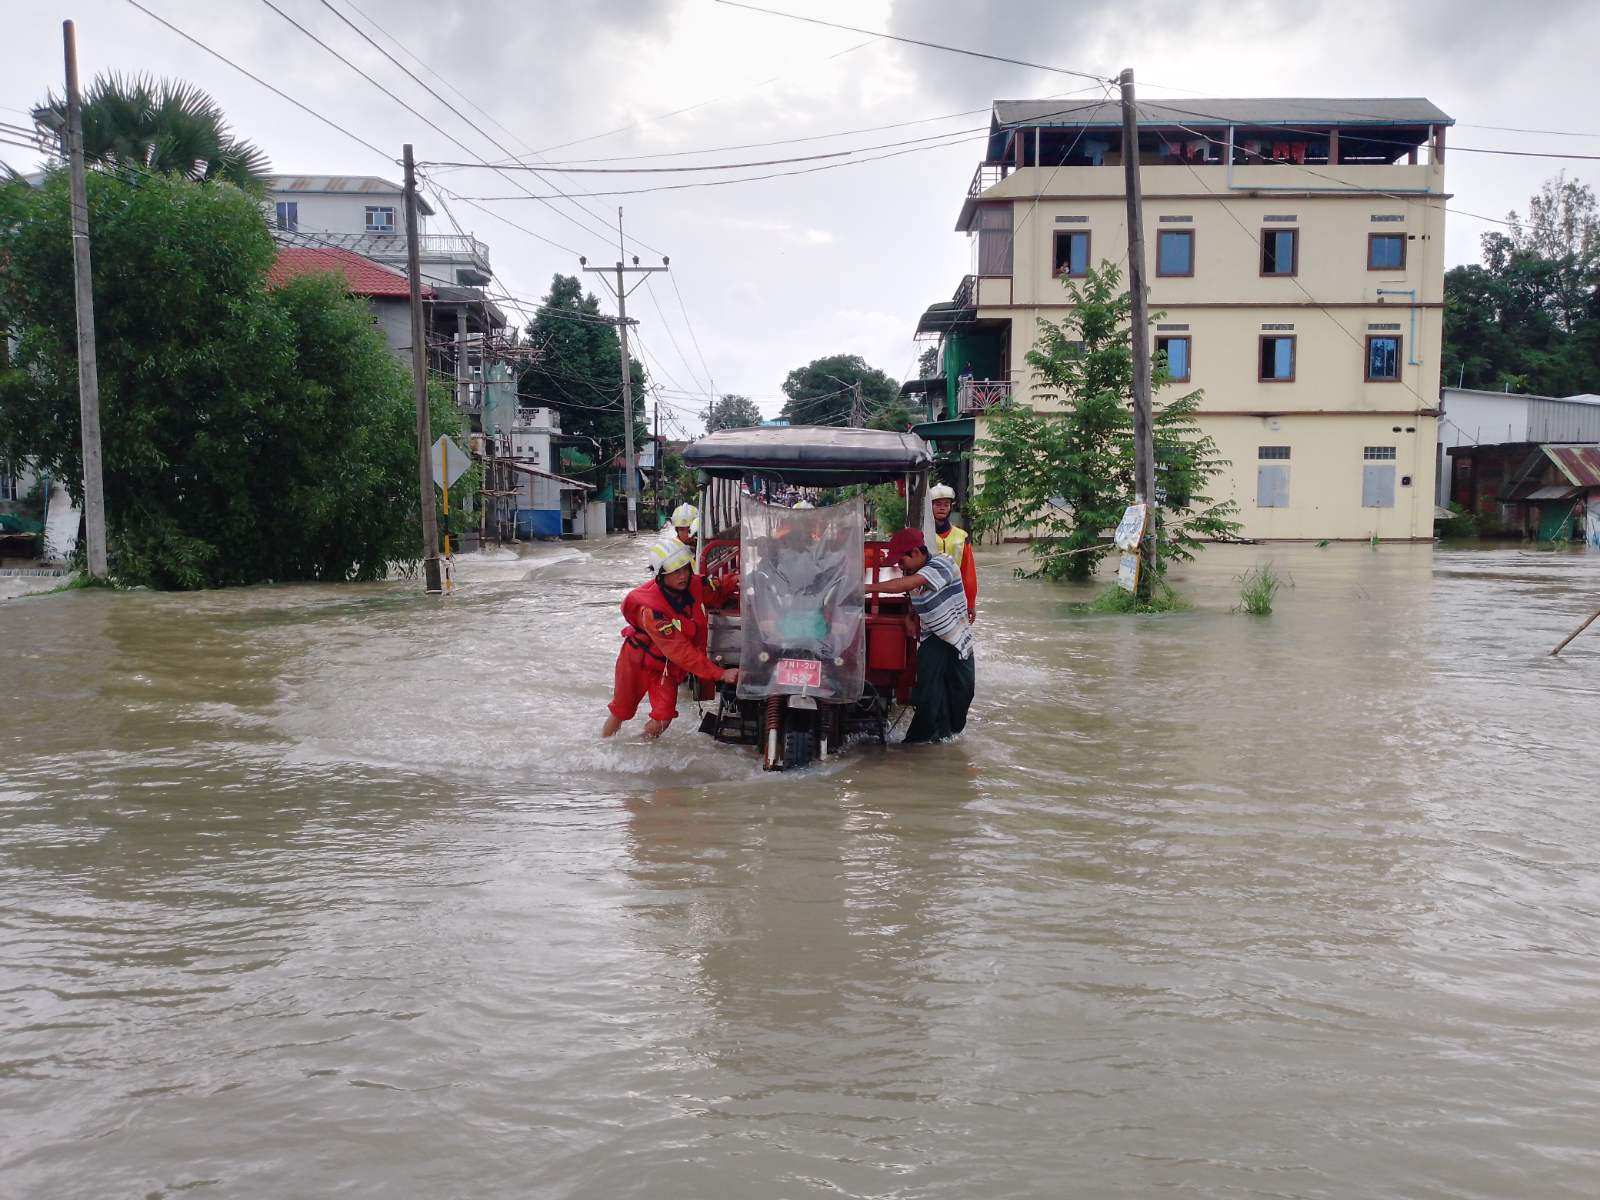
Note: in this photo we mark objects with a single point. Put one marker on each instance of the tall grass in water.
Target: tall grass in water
(1258, 587)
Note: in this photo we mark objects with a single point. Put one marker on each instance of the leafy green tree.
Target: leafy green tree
(576, 372)
(1066, 476)
(896, 415)
(928, 363)
(1563, 231)
(163, 125)
(248, 435)
(821, 392)
(731, 411)
(1526, 318)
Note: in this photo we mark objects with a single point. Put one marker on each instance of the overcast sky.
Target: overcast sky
(778, 272)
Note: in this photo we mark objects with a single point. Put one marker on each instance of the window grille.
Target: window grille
(1378, 453)
(1272, 452)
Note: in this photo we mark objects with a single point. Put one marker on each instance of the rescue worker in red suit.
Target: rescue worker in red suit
(949, 538)
(665, 639)
(686, 523)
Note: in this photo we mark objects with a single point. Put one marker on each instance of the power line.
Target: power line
(386, 155)
(414, 112)
(594, 137)
(566, 169)
(1515, 129)
(469, 121)
(490, 117)
(1016, 62)
(815, 137)
(673, 187)
(649, 290)
(689, 325)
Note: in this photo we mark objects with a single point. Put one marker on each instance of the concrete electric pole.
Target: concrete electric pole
(622, 292)
(419, 370)
(94, 498)
(1144, 453)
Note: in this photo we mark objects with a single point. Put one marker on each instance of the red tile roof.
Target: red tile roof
(363, 276)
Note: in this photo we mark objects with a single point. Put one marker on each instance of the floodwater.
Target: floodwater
(330, 890)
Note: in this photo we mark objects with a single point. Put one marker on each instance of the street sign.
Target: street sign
(454, 458)
(1128, 573)
(1131, 529)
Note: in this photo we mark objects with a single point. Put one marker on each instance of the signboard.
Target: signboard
(454, 459)
(1128, 573)
(1131, 529)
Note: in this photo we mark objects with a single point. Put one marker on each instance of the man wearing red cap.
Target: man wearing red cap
(946, 672)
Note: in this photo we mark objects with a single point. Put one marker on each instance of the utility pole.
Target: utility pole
(1144, 452)
(419, 371)
(657, 456)
(622, 292)
(94, 496)
(857, 405)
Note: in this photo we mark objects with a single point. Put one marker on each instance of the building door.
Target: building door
(1377, 485)
(1272, 485)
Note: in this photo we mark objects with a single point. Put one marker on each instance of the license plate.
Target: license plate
(799, 672)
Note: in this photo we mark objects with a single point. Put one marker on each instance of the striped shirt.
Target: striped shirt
(941, 605)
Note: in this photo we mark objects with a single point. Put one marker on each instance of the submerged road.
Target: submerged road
(331, 890)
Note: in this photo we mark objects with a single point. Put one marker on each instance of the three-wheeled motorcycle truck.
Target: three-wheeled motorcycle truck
(820, 662)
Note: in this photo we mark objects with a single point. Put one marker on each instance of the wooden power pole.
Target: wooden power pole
(622, 291)
(1144, 451)
(94, 497)
(419, 371)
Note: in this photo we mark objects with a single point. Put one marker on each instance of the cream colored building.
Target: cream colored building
(1299, 286)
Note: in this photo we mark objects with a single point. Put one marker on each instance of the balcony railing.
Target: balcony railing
(986, 176)
(391, 247)
(980, 395)
(965, 292)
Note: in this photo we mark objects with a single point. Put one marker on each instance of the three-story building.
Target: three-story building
(1294, 254)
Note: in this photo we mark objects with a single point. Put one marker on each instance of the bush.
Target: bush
(249, 434)
(888, 508)
(1113, 599)
(1258, 587)
(1459, 524)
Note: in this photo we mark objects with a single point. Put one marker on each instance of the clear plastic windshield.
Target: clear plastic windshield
(803, 615)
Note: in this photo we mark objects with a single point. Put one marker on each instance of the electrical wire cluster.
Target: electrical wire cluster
(514, 164)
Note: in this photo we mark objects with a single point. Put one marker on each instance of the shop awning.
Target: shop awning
(946, 431)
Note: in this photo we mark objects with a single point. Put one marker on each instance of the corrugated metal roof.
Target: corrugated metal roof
(1406, 110)
(1555, 491)
(1580, 464)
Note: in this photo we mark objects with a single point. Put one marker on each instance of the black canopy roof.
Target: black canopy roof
(809, 453)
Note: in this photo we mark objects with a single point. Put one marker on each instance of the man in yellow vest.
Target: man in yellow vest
(949, 538)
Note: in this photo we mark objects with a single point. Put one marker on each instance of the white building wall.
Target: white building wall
(329, 212)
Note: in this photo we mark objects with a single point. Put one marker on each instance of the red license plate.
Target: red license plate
(799, 672)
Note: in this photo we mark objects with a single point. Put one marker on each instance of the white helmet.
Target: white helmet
(941, 491)
(669, 555)
(685, 514)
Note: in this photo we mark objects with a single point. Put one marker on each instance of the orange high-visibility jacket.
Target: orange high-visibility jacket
(677, 637)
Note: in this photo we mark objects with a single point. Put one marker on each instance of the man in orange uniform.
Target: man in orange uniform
(664, 642)
(949, 538)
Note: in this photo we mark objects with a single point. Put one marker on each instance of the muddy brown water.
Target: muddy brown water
(330, 890)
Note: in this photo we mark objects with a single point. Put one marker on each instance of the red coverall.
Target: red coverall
(662, 646)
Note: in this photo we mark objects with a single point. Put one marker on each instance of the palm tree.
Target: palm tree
(162, 125)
